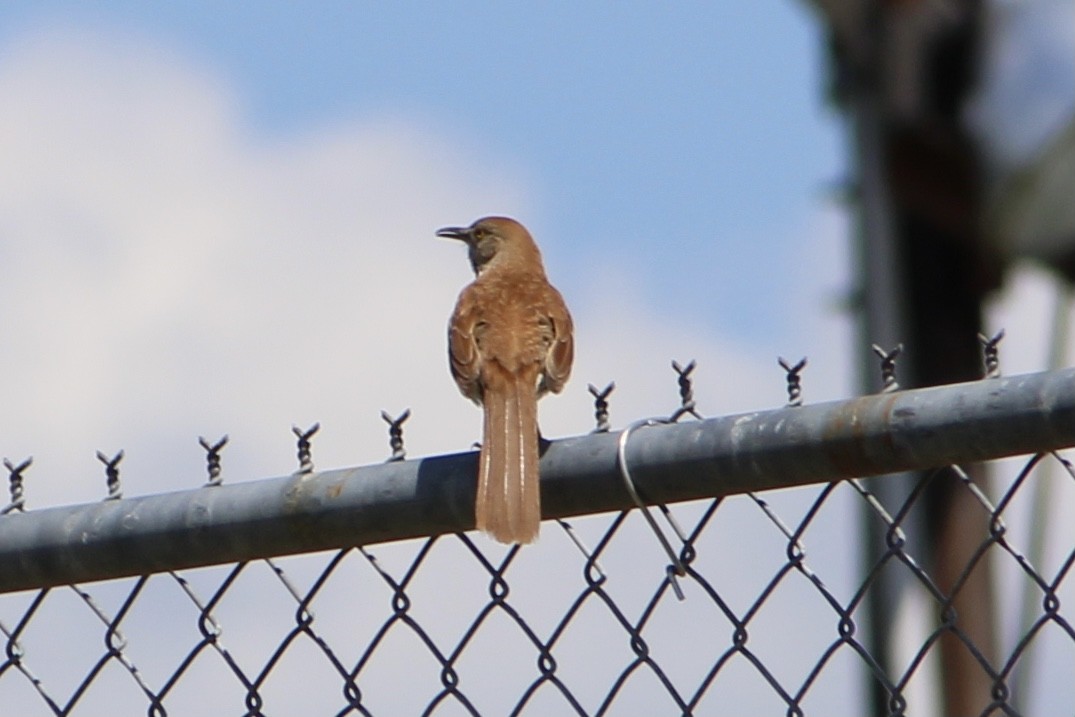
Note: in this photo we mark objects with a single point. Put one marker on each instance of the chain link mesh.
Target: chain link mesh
(756, 604)
(771, 620)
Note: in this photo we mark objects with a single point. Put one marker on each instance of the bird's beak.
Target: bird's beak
(461, 233)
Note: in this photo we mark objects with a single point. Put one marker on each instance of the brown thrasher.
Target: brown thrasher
(509, 343)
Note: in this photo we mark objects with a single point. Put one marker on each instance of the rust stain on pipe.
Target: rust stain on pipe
(857, 431)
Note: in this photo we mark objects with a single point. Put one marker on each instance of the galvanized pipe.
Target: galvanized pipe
(872, 435)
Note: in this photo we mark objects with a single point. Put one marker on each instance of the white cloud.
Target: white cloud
(166, 274)
(169, 273)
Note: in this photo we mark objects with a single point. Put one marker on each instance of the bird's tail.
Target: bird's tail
(508, 506)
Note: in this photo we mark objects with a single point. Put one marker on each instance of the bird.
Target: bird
(510, 342)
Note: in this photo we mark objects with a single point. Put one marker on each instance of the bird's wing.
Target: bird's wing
(463, 357)
(561, 351)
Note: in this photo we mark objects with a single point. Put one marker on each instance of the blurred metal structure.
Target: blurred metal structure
(1031, 213)
(903, 74)
(824, 448)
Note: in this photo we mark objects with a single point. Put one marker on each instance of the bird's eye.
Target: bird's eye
(479, 234)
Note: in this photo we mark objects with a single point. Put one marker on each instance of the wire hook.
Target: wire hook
(676, 568)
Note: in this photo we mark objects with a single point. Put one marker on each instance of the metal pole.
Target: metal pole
(883, 322)
(872, 435)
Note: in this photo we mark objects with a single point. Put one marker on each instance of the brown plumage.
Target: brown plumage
(509, 342)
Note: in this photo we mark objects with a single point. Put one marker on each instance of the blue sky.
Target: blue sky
(218, 218)
(690, 139)
(676, 167)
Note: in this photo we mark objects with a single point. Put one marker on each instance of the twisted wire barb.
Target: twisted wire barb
(18, 496)
(600, 406)
(990, 353)
(686, 391)
(112, 474)
(212, 459)
(306, 463)
(888, 367)
(395, 434)
(794, 378)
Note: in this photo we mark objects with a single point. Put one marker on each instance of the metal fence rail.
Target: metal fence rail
(596, 619)
(308, 511)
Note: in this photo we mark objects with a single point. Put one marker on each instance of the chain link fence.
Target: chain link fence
(745, 603)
